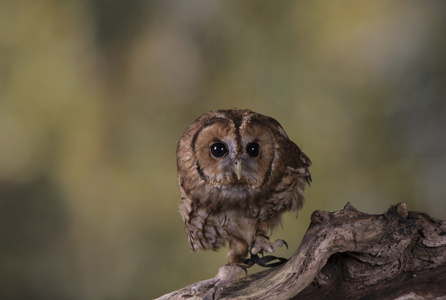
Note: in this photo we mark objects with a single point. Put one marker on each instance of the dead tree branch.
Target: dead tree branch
(348, 254)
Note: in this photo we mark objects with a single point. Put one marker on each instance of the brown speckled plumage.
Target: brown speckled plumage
(238, 197)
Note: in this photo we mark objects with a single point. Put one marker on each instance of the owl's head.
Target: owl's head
(231, 153)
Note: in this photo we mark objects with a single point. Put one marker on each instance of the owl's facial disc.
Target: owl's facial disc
(234, 158)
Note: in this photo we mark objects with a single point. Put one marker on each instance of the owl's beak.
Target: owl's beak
(238, 169)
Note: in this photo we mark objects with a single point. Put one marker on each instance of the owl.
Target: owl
(238, 172)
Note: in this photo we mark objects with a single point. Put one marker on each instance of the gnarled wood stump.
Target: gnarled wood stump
(348, 254)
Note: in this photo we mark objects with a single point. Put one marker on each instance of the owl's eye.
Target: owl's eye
(253, 149)
(219, 149)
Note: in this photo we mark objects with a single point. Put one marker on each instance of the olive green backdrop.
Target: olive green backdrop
(94, 95)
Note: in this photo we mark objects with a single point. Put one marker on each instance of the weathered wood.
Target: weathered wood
(348, 254)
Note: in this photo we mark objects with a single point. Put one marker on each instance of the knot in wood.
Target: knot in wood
(319, 217)
(397, 212)
(401, 210)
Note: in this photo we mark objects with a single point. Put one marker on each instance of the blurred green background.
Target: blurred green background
(94, 95)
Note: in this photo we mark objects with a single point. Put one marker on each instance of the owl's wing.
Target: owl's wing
(289, 192)
(297, 161)
(203, 230)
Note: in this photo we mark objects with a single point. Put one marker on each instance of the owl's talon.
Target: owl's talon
(280, 243)
(262, 244)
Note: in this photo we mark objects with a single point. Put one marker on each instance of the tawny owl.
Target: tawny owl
(238, 172)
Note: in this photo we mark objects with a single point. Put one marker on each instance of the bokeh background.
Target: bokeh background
(94, 95)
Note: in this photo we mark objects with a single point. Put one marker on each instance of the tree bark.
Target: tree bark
(348, 254)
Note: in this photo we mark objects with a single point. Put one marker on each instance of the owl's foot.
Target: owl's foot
(262, 244)
(223, 278)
